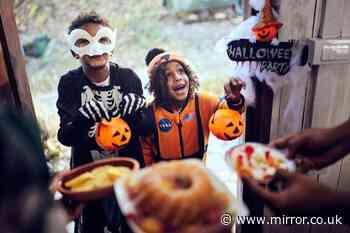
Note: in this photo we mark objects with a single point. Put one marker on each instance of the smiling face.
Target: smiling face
(266, 34)
(177, 81)
(92, 44)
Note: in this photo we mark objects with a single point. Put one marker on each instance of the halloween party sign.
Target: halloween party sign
(261, 45)
(272, 58)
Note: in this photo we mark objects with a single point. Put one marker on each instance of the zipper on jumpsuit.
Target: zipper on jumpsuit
(179, 123)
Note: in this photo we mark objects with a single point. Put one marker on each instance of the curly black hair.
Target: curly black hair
(157, 85)
(85, 18)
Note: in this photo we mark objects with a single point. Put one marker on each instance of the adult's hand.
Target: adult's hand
(72, 208)
(313, 148)
(300, 196)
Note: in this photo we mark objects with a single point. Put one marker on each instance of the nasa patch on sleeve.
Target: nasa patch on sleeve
(165, 125)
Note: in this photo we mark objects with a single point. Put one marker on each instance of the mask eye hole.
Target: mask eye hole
(81, 42)
(104, 40)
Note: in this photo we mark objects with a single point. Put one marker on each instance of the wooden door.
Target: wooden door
(322, 94)
(332, 95)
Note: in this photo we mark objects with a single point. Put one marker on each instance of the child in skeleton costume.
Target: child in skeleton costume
(97, 90)
(179, 116)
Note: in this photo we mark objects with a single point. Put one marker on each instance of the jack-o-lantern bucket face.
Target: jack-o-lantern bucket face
(267, 33)
(226, 124)
(113, 135)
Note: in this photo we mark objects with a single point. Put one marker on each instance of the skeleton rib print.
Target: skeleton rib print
(110, 99)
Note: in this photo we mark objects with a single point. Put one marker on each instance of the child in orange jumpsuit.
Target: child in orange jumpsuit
(178, 117)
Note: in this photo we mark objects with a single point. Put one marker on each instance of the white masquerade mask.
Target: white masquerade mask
(102, 42)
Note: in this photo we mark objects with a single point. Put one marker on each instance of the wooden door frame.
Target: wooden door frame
(14, 60)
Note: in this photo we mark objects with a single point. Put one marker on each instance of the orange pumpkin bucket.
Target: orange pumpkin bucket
(113, 135)
(226, 124)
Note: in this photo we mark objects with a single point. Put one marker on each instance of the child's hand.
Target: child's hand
(130, 104)
(233, 89)
(94, 111)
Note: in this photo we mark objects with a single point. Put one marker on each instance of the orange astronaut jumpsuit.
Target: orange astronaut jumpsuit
(184, 134)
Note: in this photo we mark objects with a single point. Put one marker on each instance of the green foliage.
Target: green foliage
(37, 47)
(28, 12)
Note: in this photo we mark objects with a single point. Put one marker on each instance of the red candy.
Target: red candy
(249, 150)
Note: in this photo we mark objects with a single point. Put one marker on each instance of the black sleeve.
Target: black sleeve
(145, 123)
(132, 82)
(72, 130)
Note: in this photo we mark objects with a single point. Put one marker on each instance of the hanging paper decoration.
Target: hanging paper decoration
(255, 51)
(263, 47)
(267, 28)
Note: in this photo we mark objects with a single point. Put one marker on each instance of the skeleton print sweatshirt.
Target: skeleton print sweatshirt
(74, 90)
